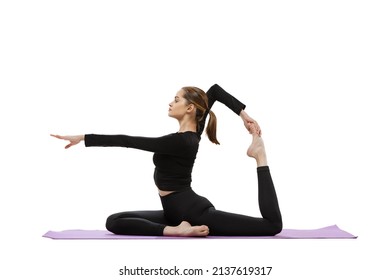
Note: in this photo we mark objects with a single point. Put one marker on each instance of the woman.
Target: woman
(184, 212)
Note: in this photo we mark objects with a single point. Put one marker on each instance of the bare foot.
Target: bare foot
(185, 229)
(257, 150)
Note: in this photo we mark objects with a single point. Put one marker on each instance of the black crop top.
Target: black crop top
(174, 154)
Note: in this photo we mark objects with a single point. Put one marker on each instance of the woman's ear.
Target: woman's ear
(191, 108)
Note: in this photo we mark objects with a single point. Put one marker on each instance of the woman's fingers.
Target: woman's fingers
(250, 124)
(258, 129)
(248, 121)
(61, 137)
(253, 127)
(72, 139)
(56, 136)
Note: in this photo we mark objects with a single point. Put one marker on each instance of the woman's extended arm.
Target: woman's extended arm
(173, 144)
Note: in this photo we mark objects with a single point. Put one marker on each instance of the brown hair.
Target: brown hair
(198, 97)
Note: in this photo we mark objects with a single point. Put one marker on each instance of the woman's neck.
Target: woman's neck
(186, 125)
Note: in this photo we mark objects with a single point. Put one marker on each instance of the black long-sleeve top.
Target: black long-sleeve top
(175, 153)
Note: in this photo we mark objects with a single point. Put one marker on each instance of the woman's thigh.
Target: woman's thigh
(155, 216)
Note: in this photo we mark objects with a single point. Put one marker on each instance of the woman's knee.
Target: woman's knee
(276, 228)
(112, 221)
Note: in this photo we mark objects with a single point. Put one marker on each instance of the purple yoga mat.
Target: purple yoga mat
(333, 232)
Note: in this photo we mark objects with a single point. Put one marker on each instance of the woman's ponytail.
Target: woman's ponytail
(198, 97)
(211, 129)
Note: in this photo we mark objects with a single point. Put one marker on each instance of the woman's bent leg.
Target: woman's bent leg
(228, 224)
(137, 223)
(224, 223)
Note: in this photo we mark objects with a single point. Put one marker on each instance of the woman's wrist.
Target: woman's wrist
(243, 114)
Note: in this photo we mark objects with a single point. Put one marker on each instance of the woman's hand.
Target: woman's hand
(73, 140)
(250, 124)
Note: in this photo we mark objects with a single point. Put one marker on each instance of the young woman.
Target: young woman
(185, 213)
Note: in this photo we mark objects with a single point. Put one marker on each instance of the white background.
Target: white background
(314, 74)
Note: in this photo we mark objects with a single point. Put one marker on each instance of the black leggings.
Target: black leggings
(197, 210)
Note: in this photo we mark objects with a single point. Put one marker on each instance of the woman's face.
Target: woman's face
(178, 107)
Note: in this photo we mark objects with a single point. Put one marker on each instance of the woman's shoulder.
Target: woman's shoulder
(189, 137)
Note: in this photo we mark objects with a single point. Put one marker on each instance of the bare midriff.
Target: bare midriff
(164, 193)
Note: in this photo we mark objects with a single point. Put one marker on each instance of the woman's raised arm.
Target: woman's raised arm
(217, 93)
